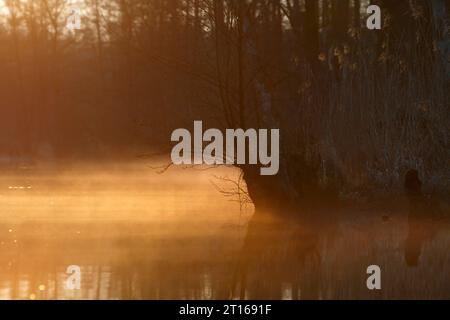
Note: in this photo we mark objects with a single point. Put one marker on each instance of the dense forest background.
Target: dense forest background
(356, 107)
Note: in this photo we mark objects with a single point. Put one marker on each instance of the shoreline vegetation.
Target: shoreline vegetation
(356, 108)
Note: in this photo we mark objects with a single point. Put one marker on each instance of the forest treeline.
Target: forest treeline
(356, 108)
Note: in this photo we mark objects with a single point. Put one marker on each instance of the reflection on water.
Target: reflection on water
(139, 235)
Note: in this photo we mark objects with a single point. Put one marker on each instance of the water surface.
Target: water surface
(137, 234)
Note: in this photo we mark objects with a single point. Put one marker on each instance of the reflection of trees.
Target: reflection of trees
(190, 266)
(278, 252)
(426, 219)
(281, 256)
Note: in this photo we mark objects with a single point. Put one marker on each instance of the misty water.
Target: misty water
(137, 234)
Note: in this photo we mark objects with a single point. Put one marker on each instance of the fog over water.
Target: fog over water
(137, 234)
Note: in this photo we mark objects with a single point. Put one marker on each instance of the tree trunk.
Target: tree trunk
(441, 31)
(312, 32)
